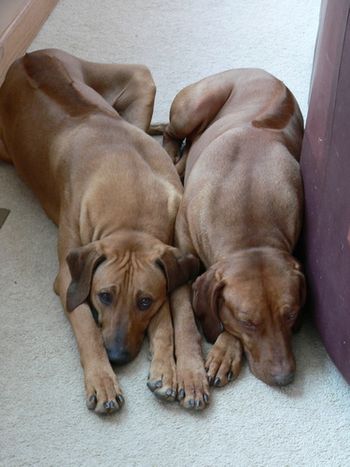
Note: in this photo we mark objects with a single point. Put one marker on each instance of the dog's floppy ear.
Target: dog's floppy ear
(206, 295)
(178, 269)
(82, 263)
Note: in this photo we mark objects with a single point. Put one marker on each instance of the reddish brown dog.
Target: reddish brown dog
(241, 213)
(75, 132)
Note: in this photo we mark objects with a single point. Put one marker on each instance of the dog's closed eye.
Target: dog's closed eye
(289, 314)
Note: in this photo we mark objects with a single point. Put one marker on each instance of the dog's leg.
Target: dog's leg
(136, 106)
(162, 375)
(130, 89)
(223, 362)
(193, 387)
(192, 110)
(102, 389)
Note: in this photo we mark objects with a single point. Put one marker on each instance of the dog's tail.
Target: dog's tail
(156, 129)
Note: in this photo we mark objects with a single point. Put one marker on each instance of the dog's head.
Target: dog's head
(126, 281)
(255, 296)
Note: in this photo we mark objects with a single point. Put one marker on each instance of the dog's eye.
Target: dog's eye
(144, 303)
(106, 298)
(291, 316)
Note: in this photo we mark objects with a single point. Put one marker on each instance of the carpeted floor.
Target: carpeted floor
(43, 418)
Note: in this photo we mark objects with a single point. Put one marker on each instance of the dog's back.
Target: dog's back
(42, 102)
(242, 175)
(252, 99)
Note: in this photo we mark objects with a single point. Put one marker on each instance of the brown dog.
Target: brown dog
(241, 213)
(66, 126)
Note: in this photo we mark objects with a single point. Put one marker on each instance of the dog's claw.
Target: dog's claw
(110, 406)
(91, 402)
(150, 386)
(161, 391)
(198, 404)
(120, 399)
(153, 385)
(217, 382)
(230, 376)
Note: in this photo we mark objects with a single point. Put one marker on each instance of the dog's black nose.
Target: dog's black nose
(119, 356)
(283, 379)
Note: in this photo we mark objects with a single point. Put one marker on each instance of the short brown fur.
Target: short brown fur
(75, 132)
(241, 214)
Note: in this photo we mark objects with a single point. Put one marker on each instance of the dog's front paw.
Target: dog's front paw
(223, 363)
(103, 394)
(162, 378)
(193, 387)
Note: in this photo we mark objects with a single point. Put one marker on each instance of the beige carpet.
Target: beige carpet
(43, 418)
